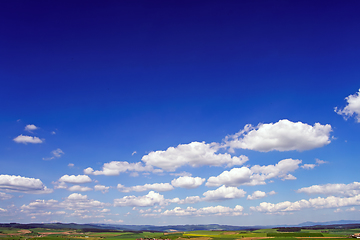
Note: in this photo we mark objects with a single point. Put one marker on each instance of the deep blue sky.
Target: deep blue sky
(113, 77)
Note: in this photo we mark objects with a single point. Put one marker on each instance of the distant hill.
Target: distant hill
(181, 228)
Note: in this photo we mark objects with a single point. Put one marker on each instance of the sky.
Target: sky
(179, 112)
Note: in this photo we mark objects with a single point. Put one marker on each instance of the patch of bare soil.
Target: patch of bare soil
(172, 232)
(24, 231)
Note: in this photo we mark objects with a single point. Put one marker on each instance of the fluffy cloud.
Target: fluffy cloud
(187, 182)
(101, 188)
(194, 154)
(14, 183)
(79, 179)
(116, 167)
(339, 189)
(30, 127)
(78, 201)
(74, 201)
(256, 195)
(4, 196)
(151, 199)
(352, 108)
(78, 188)
(216, 210)
(317, 203)
(160, 187)
(223, 193)
(27, 139)
(56, 154)
(283, 135)
(256, 175)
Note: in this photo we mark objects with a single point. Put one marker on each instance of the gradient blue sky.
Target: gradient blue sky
(137, 112)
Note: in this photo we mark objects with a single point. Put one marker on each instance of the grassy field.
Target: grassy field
(271, 234)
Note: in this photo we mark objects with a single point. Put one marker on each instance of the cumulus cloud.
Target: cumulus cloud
(338, 189)
(75, 201)
(317, 203)
(256, 175)
(79, 179)
(116, 167)
(14, 183)
(352, 108)
(256, 195)
(30, 127)
(5, 196)
(71, 165)
(78, 188)
(205, 211)
(101, 188)
(187, 182)
(160, 187)
(151, 199)
(223, 193)
(27, 139)
(55, 154)
(283, 135)
(194, 154)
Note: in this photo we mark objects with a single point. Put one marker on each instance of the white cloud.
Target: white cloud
(116, 167)
(256, 195)
(223, 193)
(205, 211)
(79, 179)
(160, 187)
(5, 196)
(134, 152)
(75, 201)
(56, 154)
(27, 139)
(319, 162)
(30, 127)
(256, 175)
(14, 183)
(317, 203)
(3, 210)
(71, 165)
(308, 166)
(352, 108)
(353, 209)
(78, 188)
(190, 200)
(288, 177)
(338, 189)
(283, 135)
(194, 154)
(187, 182)
(151, 199)
(101, 188)
(78, 201)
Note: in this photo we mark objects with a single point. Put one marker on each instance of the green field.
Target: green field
(272, 234)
